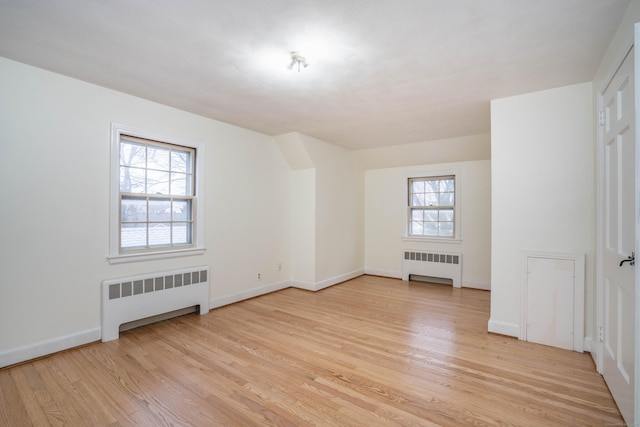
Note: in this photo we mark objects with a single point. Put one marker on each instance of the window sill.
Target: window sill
(151, 256)
(431, 239)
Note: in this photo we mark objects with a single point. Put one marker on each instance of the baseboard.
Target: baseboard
(504, 328)
(588, 344)
(383, 273)
(477, 285)
(328, 282)
(593, 348)
(43, 348)
(251, 293)
(307, 286)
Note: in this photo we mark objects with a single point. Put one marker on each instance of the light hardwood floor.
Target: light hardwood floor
(367, 352)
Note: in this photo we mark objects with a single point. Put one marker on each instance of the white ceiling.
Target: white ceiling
(382, 72)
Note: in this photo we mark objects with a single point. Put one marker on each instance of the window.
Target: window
(432, 206)
(154, 205)
(156, 194)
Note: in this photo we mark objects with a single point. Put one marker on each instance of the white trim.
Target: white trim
(262, 290)
(578, 294)
(503, 328)
(430, 239)
(114, 255)
(150, 256)
(588, 344)
(457, 233)
(384, 273)
(597, 348)
(485, 286)
(46, 347)
(307, 286)
(636, 73)
(338, 279)
(317, 286)
(248, 294)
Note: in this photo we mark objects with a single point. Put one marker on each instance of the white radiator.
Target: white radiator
(139, 297)
(431, 264)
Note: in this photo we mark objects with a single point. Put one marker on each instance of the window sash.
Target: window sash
(158, 221)
(431, 206)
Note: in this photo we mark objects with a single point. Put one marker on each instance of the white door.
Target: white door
(554, 307)
(618, 243)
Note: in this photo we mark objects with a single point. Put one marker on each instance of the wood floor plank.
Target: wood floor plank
(12, 406)
(367, 352)
(35, 414)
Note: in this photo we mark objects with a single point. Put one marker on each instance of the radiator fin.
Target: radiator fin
(432, 257)
(155, 284)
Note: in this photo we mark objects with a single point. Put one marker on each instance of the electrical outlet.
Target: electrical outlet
(258, 277)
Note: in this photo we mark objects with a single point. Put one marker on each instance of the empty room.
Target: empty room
(328, 213)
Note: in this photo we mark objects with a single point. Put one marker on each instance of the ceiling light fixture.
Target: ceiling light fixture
(297, 60)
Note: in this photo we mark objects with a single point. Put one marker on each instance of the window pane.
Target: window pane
(431, 199)
(132, 180)
(181, 210)
(159, 234)
(182, 233)
(132, 154)
(446, 185)
(432, 186)
(418, 200)
(158, 158)
(416, 228)
(157, 182)
(417, 187)
(431, 215)
(446, 229)
(133, 209)
(133, 236)
(430, 228)
(446, 199)
(159, 210)
(180, 184)
(446, 215)
(180, 161)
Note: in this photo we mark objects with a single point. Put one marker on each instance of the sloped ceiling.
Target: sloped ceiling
(381, 72)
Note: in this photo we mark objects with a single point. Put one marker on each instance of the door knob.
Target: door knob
(631, 259)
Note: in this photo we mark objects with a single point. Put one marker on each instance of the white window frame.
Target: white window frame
(457, 210)
(116, 256)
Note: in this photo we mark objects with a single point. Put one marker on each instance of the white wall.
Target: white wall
(385, 212)
(339, 212)
(542, 188)
(327, 211)
(451, 150)
(54, 169)
(303, 228)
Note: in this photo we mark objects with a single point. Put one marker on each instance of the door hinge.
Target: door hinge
(600, 334)
(601, 118)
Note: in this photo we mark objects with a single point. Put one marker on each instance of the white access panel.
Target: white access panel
(553, 300)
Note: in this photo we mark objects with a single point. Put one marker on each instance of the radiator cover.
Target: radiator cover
(444, 265)
(134, 298)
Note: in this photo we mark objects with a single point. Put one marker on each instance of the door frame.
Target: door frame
(597, 348)
(636, 73)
